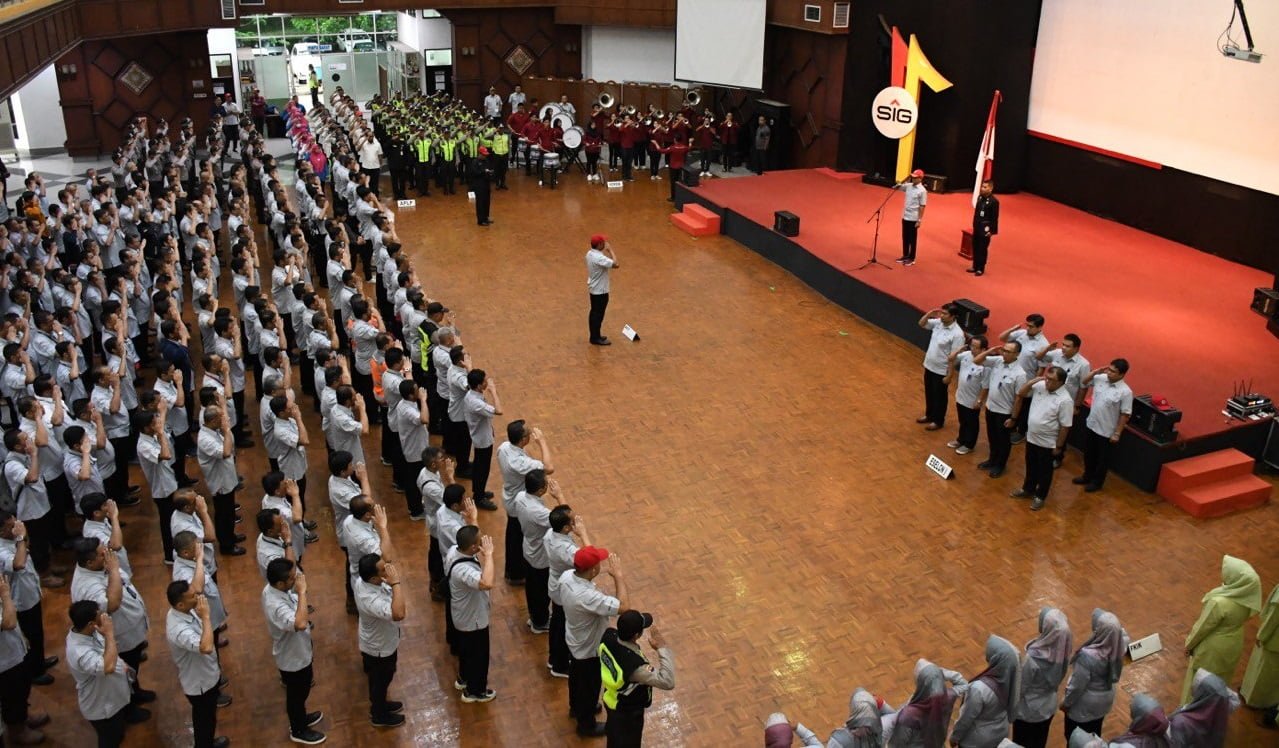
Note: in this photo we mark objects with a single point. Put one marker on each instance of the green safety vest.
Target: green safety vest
(423, 150)
(450, 149)
(501, 146)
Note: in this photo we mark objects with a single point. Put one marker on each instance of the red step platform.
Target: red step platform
(1214, 484)
(696, 220)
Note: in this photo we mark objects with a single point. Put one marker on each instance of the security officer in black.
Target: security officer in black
(400, 159)
(985, 225)
(629, 679)
(479, 177)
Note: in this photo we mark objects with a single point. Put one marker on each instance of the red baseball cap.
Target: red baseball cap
(918, 173)
(598, 239)
(589, 557)
(483, 151)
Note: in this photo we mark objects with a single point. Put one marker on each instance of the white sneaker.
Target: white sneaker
(658, 177)
(952, 443)
(962, 451)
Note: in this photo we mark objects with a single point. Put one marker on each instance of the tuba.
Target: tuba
(629, 109)
(693, 99)
(606, 100)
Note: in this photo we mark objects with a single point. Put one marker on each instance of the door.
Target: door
(439, 78)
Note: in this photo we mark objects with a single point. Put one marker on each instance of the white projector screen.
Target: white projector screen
(721, 42)
(1143, 78)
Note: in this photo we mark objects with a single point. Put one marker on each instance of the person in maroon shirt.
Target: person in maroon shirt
(658, 136)
(257, 110)
(531, 135)
(676, 153)
(599, 118)
(591, 143)
(551, 141)
(729, 129)
(613, 136)
(629, 136)
(704, 141)
(516, 122)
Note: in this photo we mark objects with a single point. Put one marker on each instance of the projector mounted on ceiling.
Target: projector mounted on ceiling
(1247, 55)
(1231, 48)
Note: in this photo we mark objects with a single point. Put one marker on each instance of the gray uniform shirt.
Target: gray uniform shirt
(159, 472)
(341, 491)
(1109, 401)
(983, 719)
(560, 549)
(479, 419)
(469, 603)
(268, 549)
(586, 614)
(24, 583)
(1050, 412)
(1089, 692)
(197, 671)
(535, 522)
(1004, 382)
(293, 457)
(514, 463)
(379, 634)
(219, 472)
(343, 432)
(290, 647)
(71, 464)
(414, 438)
(130, 619)
(185, 570)
(99, 693)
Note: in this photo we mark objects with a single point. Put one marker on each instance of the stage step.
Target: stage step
(1214, 484)
(704, 213)
(1222, 498)
(692, 225)
(1181, 475)
(842, 176)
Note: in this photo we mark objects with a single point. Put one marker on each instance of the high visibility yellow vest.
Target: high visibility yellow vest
(423, 150)
(501, 145)
(450, 150)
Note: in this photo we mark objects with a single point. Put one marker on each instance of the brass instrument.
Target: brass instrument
(629, 110)
(693, 99)
(606, 100)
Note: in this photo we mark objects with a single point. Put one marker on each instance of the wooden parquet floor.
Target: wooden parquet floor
(755, 462)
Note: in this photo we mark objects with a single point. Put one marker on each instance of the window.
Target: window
(277, 33)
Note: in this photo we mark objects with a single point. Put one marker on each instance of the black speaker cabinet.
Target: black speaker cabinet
(935, 183)
(972, 317)
(692, 177)
(1160, 425)
(1265, 301)
(786, 223)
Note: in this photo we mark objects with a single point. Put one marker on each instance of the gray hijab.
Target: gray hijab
(1003, 668)
(864, 728)
(1106, 644)
(1081, 739)
(1053, 646)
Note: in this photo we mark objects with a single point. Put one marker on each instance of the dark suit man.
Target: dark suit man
(985, 225)
(479, 176)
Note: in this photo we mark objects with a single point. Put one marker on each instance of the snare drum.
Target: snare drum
(573, 138)
(551, 160)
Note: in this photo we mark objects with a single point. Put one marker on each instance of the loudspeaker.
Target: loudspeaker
(1160, 425)
(692, 177)
(935, 183)
(786, 223)
(1265, 301)
(972, 316)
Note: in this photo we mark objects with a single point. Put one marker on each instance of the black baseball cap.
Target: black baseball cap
(631, 622)
(436, 307)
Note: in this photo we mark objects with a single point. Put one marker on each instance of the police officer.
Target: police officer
(479, 175)
(424, 148)
(498, 157)
(985, 225)
(629, 679)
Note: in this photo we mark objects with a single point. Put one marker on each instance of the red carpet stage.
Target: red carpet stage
(1180, 316)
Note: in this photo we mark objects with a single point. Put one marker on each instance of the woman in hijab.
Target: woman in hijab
(1096, 669)
(1202, 723)
(864, 727)
(1215, 642)
(992, 696)
(778, 733)
(1149, 727)
(923, 722)
(1261, 681)
(1081, 739)
(1047, 656)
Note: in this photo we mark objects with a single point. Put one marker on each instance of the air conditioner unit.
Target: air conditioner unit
(839, 19)
(813, 13)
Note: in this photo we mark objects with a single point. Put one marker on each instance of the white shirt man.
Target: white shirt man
(492, 104)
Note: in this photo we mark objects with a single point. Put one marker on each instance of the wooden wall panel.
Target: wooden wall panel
(806, 70)
(494, 34)
(30, 41)
(791, 13)
(97, 106)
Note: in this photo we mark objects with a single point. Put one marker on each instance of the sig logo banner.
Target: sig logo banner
(894, 112)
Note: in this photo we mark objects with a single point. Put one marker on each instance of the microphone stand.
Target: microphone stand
(878, 216)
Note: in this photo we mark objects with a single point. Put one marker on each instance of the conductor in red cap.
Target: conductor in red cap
(479, 178)
(629, 679)
(912, 214)
(587, 611)
(600, 261)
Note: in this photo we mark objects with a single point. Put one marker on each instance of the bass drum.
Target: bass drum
(563, 120)
(573, 138)
(553, 110)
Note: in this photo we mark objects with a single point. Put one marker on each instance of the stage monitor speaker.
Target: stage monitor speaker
(1270, 455)
(1159, 424)
(1265, 301)
(786, 223)
(692, 177)
(935, 183)
(972, 316)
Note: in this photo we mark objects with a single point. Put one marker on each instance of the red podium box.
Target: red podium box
(966, 244)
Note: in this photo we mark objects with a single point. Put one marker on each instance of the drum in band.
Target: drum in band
(563, 120)
(552, 109)
(551, 159)
(573, 137)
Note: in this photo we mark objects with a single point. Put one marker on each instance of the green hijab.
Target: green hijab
(1239, 583)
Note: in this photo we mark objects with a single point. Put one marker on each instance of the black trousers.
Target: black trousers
(31, 622)
(457, 443)
(224, 519)
(110, 730)
(375, 176)
(380, 670)
(297, 687)
(232, 134)
(560, 658)
(537, 597)
(399, 179)
(599, 303)
(628, 156)
(1092, 726)
(15, 692)
(1032, 734)
(118, 483)
(516, 566)
(677, 177)
(584, 690)
(450, 631)
(981, 247)
(1000, 438)
(182, 444)
(969, 425)
(363, 384)
(63, 504)
(759, 159)
(1097, 451)
(408, 479)
(241, 416)
(164, 506)
(654, 161)
(910, 234)
(480, 468)
(483, 198)
(500, 167)
(391, 451)
(625, 728)
(935, 399)
(1039, 471)
(728, 156)
(435, 564)
(40, 539)
(437, 407)
(204, 717)
(473, 660)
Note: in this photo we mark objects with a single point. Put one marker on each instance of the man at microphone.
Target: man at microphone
(912, 214)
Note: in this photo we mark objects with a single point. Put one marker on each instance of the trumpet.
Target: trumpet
(629, 110)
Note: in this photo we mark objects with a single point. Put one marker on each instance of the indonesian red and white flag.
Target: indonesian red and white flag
(986, 156)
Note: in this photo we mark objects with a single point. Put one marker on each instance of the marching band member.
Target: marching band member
(729, 129)
(613, 136)
(675, 154)
(591, 143)
(704, 141)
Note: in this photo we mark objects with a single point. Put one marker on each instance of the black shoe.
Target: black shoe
(143, 696)
(129, 501)
(486, 504)
(395, 707)
(233, 551)
(43, 679)
(310, 524)
(223, 682)
(308, 737)
(387, 720)
(488, 494)
(224, 700)
(602, 341)
(980, 272)
(594, 731)
(1080, 481)
(135, 490)
(244, 443)
(984, 465)
(970, 270)
(1092, 488)
(996, 472)
(313, 718)
(137, 715)
(49, 662)
(239, 537)
(221, 741)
